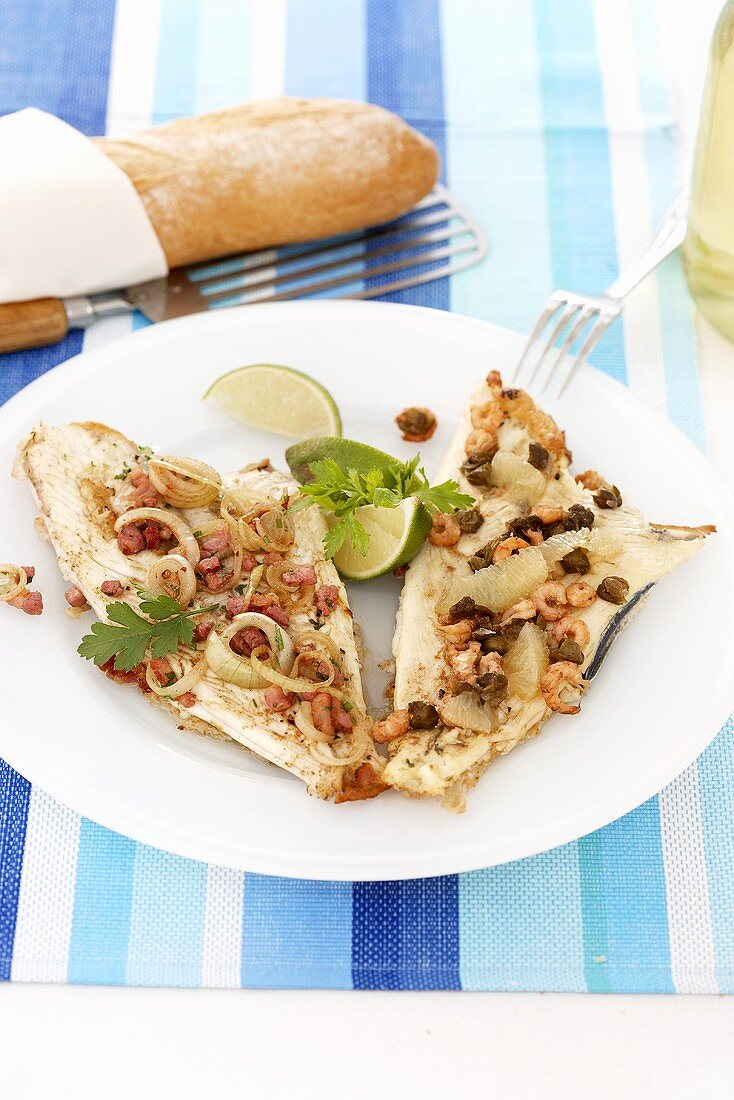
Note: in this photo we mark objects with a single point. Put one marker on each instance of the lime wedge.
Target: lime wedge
(277, 399)
(347, 453)
(396, 536)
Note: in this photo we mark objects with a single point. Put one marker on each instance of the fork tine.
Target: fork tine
(592, 339)
(551, 306)
(566, 317)
(574, 332)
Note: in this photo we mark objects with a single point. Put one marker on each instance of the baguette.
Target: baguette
(273, 172)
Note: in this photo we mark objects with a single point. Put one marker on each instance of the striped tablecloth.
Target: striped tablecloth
(555, 125)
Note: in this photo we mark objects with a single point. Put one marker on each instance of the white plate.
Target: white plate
(665, 690)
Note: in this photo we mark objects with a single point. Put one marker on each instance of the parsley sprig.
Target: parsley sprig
(166, 627)
(340, 492)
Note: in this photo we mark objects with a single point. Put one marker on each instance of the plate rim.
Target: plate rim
(333, 867)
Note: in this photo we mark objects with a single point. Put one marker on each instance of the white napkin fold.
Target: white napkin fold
(71, 221)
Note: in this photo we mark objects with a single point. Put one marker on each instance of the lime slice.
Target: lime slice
(347, 453)
(277, 399)
(396, 536)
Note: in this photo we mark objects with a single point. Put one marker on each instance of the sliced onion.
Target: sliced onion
(13, 581)
(314, 655)
(276, 529)
(319, 640)
(327, 754)
(252, 584)
(180, 528)
(230, 666)
(289, 683)
(184, 482)
(172, 575)
(279, 639)
(304, 720)
(274, 577)
(184, 683)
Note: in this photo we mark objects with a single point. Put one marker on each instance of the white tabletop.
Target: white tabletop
(80, 1042)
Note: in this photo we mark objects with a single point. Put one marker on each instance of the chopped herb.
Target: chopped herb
(317, 624)
(146, 452)
(240, 589)
(347, 706)
(125, 471)
(279, 639)
(170, 679)
(198, 534)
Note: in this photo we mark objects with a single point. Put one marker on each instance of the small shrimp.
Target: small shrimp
(445, 529)
(463, 662)
(590, 479)
(487, 416)
(490, 662)
(550, 600)
(525, 609)
(321, 707)
(507, 547)
(580, 594)
(574, 629)
(494, 379)
(559, 676)
(480, 441)
(458, 633)
(534, 537)
(549, 515)
(395, 725)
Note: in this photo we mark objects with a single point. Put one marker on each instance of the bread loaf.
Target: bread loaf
(273, 172)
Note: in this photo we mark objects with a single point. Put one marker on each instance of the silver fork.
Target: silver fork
(581, 320)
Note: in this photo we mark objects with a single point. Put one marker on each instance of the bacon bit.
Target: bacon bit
(144, 494)
(417, 424)
(363, 783)
(327, 598)
(214, 581)
(249, 562)
(111, 588)
(29, 602)
(308, 696)
(209, 565)
(494, 378)
(166, 534)
(202, 631)
(400, 571)
(187, 699)
(152, 536)
(30, 571)
(277, 614)
(75, 597)
(216, 542)
(342, 718)
(161, 669)
(247, 639)
(235, 606)
(278, 700)
(272, 558)
(304, 574)
(131, 677)
(130, 539)
(267, 604)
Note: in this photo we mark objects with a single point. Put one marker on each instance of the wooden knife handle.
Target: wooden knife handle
(32, 324)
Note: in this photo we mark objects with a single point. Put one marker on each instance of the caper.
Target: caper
(538, 456)
(483, 557)
(423, 716)
(511, 630)
(576, 561)
(495, 643)
(492, 686)
(608, 497)
(568, 651)
(489, 621)
(577, 517)
(613, 589)
(462, 609)
(416, 421)
(469, 520)
(461, 687)
(523, 524)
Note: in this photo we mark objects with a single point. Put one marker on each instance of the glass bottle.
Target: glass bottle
(708, 250)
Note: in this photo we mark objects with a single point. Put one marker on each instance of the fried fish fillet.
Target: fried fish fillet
(490, 631)
(80, 478)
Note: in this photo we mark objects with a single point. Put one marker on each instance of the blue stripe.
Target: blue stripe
(404, 74)
(296, 934)
(627, 949)
(577, 161)
(166, 919)
(406, 934)
(716, 770)
(102, 897)
(521, 925)
(15, 795)
(175, 87)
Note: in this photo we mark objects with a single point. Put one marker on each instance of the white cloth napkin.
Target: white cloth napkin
(71, 221)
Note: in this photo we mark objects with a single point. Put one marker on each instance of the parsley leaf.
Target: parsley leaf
(128, 635)
(340, 493)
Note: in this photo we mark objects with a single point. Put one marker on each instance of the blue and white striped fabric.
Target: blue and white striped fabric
(555, 126)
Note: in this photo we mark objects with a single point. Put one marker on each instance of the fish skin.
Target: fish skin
(650, 551)
(59, 462)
